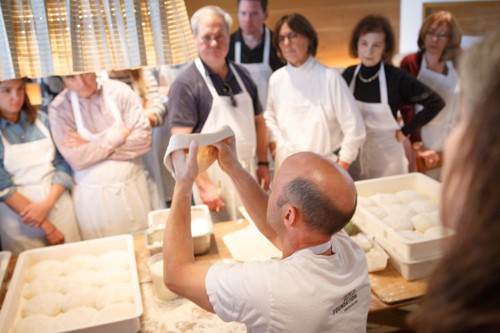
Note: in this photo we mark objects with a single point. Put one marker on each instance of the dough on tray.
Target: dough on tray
(363, 242)
(83, 296)
(34, 324)
(378, 212)
(398, 209)
(112, 275)
(79, 262)
(115, 311)
(44, 268)
(399, 222)
(367, 202)
(435, 231)
(383, 199)
(407, 196)
(423, 221)
(113, 258)
(46, 303)
(114, 293)
(424, 206)
(75, 280)
(75, 318)
(42, 284)
(412, 234)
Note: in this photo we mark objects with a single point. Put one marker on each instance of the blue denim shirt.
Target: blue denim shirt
(21, 132)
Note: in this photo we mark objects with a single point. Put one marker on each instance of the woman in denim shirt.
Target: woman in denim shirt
(35, 206)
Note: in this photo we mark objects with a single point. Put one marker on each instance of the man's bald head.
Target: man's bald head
(320, 189)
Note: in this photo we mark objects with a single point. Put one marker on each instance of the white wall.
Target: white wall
(411, 20)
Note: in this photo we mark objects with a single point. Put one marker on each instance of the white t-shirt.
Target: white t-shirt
(302, 293)
(316, 84)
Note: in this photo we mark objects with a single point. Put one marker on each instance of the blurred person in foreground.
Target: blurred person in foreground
(35, 204)
(213, 92)
(464, 292)
(320, 285)
(310, 107)
(434, 65)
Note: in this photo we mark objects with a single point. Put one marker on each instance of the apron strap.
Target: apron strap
(209, 83)
(382, 82)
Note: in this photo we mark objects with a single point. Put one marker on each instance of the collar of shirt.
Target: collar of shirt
(219, 82)
(7, 123)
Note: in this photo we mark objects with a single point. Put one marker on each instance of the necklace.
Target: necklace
(370, 79)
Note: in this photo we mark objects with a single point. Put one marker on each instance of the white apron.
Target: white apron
(31, 168)
(242, 120)
(304, 127)
(111, 197)
(260, 72)
(381, 154)
(437, 130)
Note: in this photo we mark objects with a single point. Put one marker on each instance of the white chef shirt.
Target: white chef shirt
(315, 83)
(302, 293)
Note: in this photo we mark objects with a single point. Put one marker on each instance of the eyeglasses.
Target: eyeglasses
(226, 88)
(291, 36)
(440, 35)
(208, 39)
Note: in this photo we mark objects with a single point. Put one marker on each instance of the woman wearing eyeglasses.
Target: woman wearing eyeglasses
(434, 64)
(381, 90)
(309, 106)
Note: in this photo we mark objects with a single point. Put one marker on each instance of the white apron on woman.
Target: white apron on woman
(304, 127)
(437, 130)
(110, 197)
(381, 154)
(242, 120)
(31, 168)
(260, 72)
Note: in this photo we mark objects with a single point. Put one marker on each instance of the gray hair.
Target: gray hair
(210, 10)
(318, 210)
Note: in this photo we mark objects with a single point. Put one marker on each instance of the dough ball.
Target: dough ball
(424, 206)
(46, 303)
(383, 199)
(367, 202)
(116, 311)
(398, 209)
(399, 222)
(75, 280)
(83, 296)
(79, 262)
(112, 275)
(412, 234)
(378, 212)
(434, 231)
(44, 268)
(34, 324)
(114, 258)
(407, 196)
(363, 242)
(75, 318)
(42, 284)
(423, 221)
(114, 293)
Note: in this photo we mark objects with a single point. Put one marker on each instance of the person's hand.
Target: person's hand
(226, 154)
(35, 213)
(263, 176)
(54, 235)
(431, 158)
(73, 139)
(210, 196)
(400, 136)
(152, 119)
(124, 131)
(344, 164)
(272, 149)
(185, 163)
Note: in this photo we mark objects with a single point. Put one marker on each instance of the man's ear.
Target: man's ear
(290, 216)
